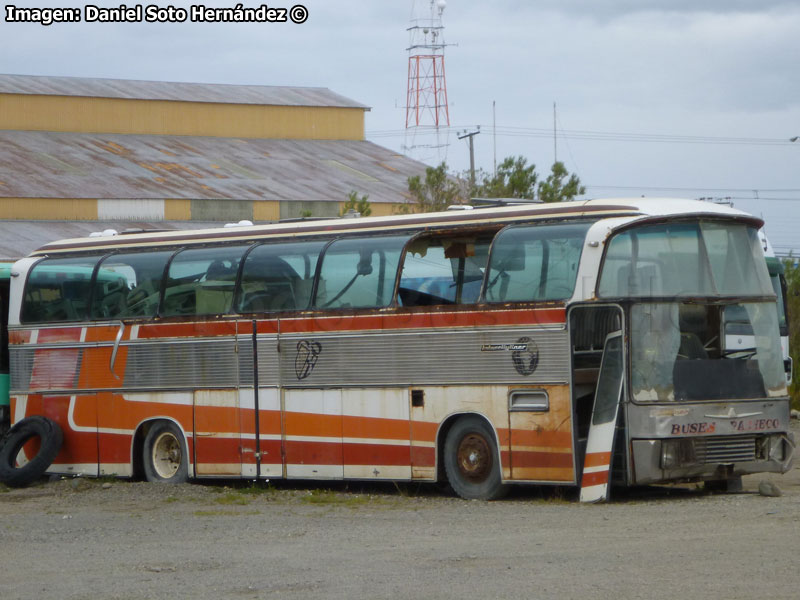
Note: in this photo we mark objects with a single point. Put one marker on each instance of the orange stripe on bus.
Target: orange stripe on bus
(61, 334)
(597, 459)
(313, 453)
(107, 333)
(523, 459)
(429, 320)
(376, 454)
(332, 323)
(596, 478)
(375, 428)
(19, 337)
(424, 431)
(422, 456)
(551, 439)
(313, 425)
(195, 329)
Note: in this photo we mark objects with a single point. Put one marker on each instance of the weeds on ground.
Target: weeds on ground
(257, 489)
(330, 498)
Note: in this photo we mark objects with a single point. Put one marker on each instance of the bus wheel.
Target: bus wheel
(33, 467)
(471, 460)
(163, 455)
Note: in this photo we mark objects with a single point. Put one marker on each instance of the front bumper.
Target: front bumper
(710, 457)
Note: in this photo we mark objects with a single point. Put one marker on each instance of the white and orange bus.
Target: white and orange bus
(580, 343)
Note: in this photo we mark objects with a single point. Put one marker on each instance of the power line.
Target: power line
(751, 190)
(604, 136)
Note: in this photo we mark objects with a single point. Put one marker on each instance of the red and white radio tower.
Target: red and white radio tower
(426, 100)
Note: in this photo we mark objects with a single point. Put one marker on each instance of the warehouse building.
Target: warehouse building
(80, 155)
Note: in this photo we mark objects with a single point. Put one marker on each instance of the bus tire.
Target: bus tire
(471, 460)
(50, 439)
(163, 454)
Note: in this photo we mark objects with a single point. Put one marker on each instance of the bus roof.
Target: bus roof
(635, 208)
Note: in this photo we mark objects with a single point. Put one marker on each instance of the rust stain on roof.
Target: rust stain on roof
(36, 164)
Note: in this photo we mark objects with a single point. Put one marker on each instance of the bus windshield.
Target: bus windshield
(685, 259)
(689, 351)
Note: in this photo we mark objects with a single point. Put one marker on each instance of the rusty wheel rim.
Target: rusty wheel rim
(474, 458)
(167, 455)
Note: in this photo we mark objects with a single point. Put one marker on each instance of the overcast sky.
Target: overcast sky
(680, 98)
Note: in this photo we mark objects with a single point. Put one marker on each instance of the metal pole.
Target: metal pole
(555, 138)
(494, 135)
(470, 135)
(255, 399)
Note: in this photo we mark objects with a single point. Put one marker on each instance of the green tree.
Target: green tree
(792, 274)
(436, 192)
(555, 189)
(359, 204)
(514, 179)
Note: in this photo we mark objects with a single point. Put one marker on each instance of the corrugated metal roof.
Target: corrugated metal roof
(176, 91)
(37, 164)
(20, 238)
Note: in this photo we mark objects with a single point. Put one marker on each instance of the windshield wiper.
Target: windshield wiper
(740, 353)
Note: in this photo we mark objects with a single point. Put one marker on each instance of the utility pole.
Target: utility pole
(555, 138)
(470, 135)
(494, 136)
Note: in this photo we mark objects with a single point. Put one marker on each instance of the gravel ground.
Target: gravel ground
(77, 538)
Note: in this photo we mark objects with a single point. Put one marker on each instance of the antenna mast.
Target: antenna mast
(426, 97)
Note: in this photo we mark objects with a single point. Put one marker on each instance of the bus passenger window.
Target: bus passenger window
(278, 277)
(58, 290)
(443, 271)
(535, 262)
(359, 272)
(128, 285)
(201, 281)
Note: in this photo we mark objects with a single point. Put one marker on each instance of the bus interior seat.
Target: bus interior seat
(180, 300)
(693, 323)
(691, 347)
(142, 300)
(217, 271)
(272, 284)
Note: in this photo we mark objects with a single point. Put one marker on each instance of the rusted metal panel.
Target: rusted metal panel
(142, 167)
(175, 91)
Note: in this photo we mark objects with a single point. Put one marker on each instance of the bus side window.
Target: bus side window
(58, 289)
(535, 262)
(359, 272)
(440, 271)
(129, 285)
(278, 277)
(201, 281)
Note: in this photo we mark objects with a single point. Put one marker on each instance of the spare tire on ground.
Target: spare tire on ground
(50, 439)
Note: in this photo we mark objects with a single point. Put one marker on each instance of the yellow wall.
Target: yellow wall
(161, 117)
(266, 210)
(177, 209)
(47, 209)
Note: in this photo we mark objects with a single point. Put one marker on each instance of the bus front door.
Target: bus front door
(600, 445)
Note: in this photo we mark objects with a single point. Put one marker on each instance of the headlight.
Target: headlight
(677, 453)
(776, 448)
